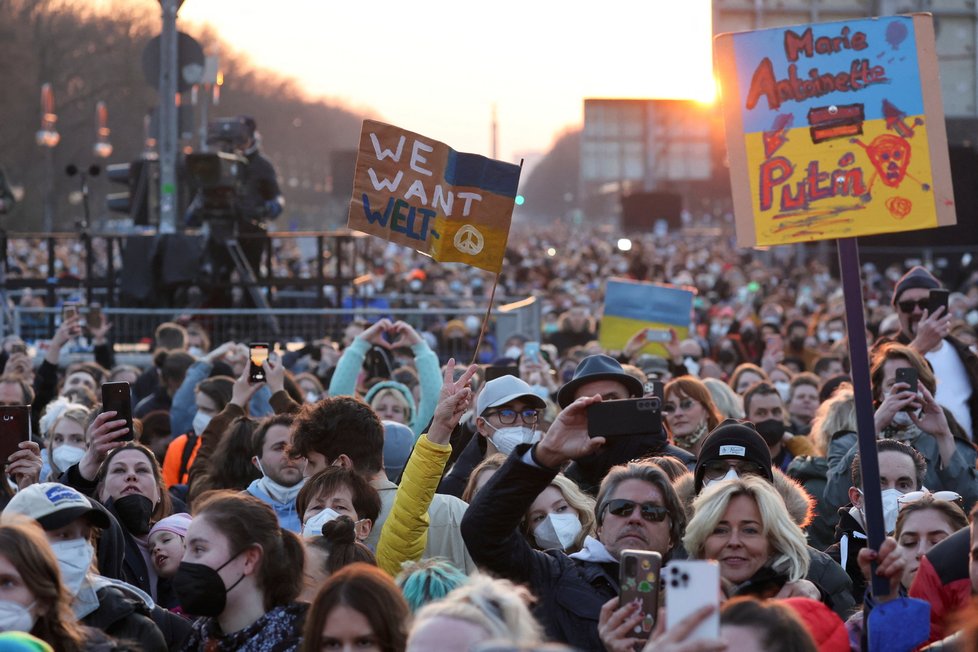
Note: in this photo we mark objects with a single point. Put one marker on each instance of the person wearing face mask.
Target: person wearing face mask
(796, 344)
(765, 408)
(561, 517)
(916, 419)
(335, 492)
(241, 575)
(32, 599)
(119, 609)
(64, 425)
(902, 470)
(508, 410)
(281, 476)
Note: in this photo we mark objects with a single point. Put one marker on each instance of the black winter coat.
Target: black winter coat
(569, 592)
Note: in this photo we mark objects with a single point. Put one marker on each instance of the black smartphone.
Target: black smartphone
(937, 299)
(377, 363)
(625, 417)
(639, 574)
(498, 371)
(907, 375)
(116, 398)
(258, 353)
(15, 427)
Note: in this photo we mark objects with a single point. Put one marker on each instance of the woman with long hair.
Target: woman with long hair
(689, 412)
(36, 600)
(744, 525)
(561, 517)
(241, 573)
(359, 608)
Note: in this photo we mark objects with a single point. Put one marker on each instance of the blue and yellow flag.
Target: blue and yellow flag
(630, 306)
(420, 193)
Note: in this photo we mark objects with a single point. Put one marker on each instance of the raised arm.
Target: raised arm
(405, 531)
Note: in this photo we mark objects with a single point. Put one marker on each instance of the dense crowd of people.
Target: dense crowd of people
(373, 492)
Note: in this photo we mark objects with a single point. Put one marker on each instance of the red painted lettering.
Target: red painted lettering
(774, 172)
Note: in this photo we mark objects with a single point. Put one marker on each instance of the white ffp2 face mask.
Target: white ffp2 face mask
(731, 475)
(557, 531)
(314, 526)
(65, 456)
(15, 617)
(75, 560)
(507, 439)
(200, 422)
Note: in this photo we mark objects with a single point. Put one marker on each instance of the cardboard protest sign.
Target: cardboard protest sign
(422, 194)
(835, 130)
(630, 306)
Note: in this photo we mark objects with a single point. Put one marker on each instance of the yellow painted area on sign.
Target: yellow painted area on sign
(874, 182)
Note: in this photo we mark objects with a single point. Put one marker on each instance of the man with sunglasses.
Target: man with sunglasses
(636, 508)
(930, 335)
(902, 471)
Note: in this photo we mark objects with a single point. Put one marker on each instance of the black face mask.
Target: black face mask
(200, 588)
(726, 356)
(797, 342)
(772, 430)
(134, 512)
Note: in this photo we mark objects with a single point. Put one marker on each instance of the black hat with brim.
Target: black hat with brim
(598, 367)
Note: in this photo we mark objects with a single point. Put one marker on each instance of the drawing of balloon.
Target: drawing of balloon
(896, 33)
(899, 207)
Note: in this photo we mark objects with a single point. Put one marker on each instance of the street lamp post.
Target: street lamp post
(48, 138)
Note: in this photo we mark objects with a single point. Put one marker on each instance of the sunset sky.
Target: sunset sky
(437, 67)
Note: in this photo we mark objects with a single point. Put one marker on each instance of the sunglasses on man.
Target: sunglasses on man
(650, 511)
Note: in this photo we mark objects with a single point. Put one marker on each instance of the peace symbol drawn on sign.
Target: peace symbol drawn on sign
(468, 240)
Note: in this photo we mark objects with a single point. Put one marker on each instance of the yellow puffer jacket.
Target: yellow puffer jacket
(405, 531)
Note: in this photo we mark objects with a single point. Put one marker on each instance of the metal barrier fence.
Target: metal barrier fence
(132, 328)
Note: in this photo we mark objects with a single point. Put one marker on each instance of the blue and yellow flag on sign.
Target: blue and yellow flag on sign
(420, 193)
(630, 306)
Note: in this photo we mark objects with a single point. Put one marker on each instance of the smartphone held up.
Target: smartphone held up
(258, 354)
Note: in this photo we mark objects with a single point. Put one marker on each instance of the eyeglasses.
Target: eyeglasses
(507, 416)
(908, 306)
(719, 468)
(915, 496)
(650, 511)
(684, 405)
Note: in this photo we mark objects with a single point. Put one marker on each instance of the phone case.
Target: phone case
(639, 578)
(691, 585)
(116, 398)
(15, 427)
(936, 299)
(907, 375)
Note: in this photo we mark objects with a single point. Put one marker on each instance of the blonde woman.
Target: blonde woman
(561, 517)
(744, 525)
(729, 404)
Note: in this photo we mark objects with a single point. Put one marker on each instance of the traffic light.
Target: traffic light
(142, 179)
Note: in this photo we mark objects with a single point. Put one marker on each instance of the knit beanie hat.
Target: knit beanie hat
(733, 439)
(917, 277)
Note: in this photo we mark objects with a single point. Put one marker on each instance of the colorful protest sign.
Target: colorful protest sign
(835, 130)
(630, 306)
(422, 194)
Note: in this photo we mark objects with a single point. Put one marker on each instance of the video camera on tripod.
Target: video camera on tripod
(219, 175)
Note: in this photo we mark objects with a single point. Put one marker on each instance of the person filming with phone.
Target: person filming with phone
(925, 326)
(913, 417)
(636, 508)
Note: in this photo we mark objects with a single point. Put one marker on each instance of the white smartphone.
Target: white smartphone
(658, 335)
(691, 585)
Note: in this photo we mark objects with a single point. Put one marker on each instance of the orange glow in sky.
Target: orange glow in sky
(437, 67)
